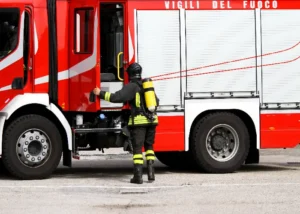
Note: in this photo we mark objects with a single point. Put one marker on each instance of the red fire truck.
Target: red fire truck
(226, 73)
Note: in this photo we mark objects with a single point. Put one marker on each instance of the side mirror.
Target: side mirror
(17, 83)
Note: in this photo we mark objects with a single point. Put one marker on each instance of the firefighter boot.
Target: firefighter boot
(150, 169)
(138, 174)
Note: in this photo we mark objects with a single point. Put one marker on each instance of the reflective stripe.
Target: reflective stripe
(107, 96)
(150, 157)
(138, 159)
(149, 152)
(138, 162)
(137, 156)
(137, 100)
(140, 119)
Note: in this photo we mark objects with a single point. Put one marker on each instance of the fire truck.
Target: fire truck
(226, 74)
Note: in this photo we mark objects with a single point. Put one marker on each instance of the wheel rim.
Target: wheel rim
(222, 142)
(33, 148)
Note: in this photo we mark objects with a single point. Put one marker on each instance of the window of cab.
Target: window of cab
(9, 30)
(84, 30)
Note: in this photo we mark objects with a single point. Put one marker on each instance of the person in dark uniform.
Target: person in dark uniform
(142, 123)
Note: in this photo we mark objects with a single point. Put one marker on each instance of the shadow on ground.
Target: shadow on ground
(123, 168)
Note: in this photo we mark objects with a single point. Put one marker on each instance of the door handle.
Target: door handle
(118, 66)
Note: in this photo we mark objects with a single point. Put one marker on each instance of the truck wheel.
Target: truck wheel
(220, 143)
(32, 147)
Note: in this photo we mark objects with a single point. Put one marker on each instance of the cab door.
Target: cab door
(113, 48)
(12, 79)
(84, 66)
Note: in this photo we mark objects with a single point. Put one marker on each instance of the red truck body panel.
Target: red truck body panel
(280, 130)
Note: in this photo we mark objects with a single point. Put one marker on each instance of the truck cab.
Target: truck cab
(16, 51)
(52, 55)
(91, 45)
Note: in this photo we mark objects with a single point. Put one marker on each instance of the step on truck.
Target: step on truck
(226, 74)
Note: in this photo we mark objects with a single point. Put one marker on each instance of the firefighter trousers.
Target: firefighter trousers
(143, 136)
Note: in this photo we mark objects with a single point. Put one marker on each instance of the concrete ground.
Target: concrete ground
(101, 185)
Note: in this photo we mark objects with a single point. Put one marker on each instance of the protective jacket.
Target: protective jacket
(133, 94)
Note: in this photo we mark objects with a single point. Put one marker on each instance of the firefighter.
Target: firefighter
(142, 122)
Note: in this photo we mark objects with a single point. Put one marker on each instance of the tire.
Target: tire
(45, 150)
(176, 160)
(202, 132)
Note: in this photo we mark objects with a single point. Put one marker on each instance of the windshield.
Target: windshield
(9, 26)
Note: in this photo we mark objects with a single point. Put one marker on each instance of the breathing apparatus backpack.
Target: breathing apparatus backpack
(148, 106)
(148, 98)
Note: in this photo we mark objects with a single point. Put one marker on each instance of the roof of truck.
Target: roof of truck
(12, 3)
(36, 3)
(15, 3)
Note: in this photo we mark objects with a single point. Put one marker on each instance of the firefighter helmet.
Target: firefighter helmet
(134, 71)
